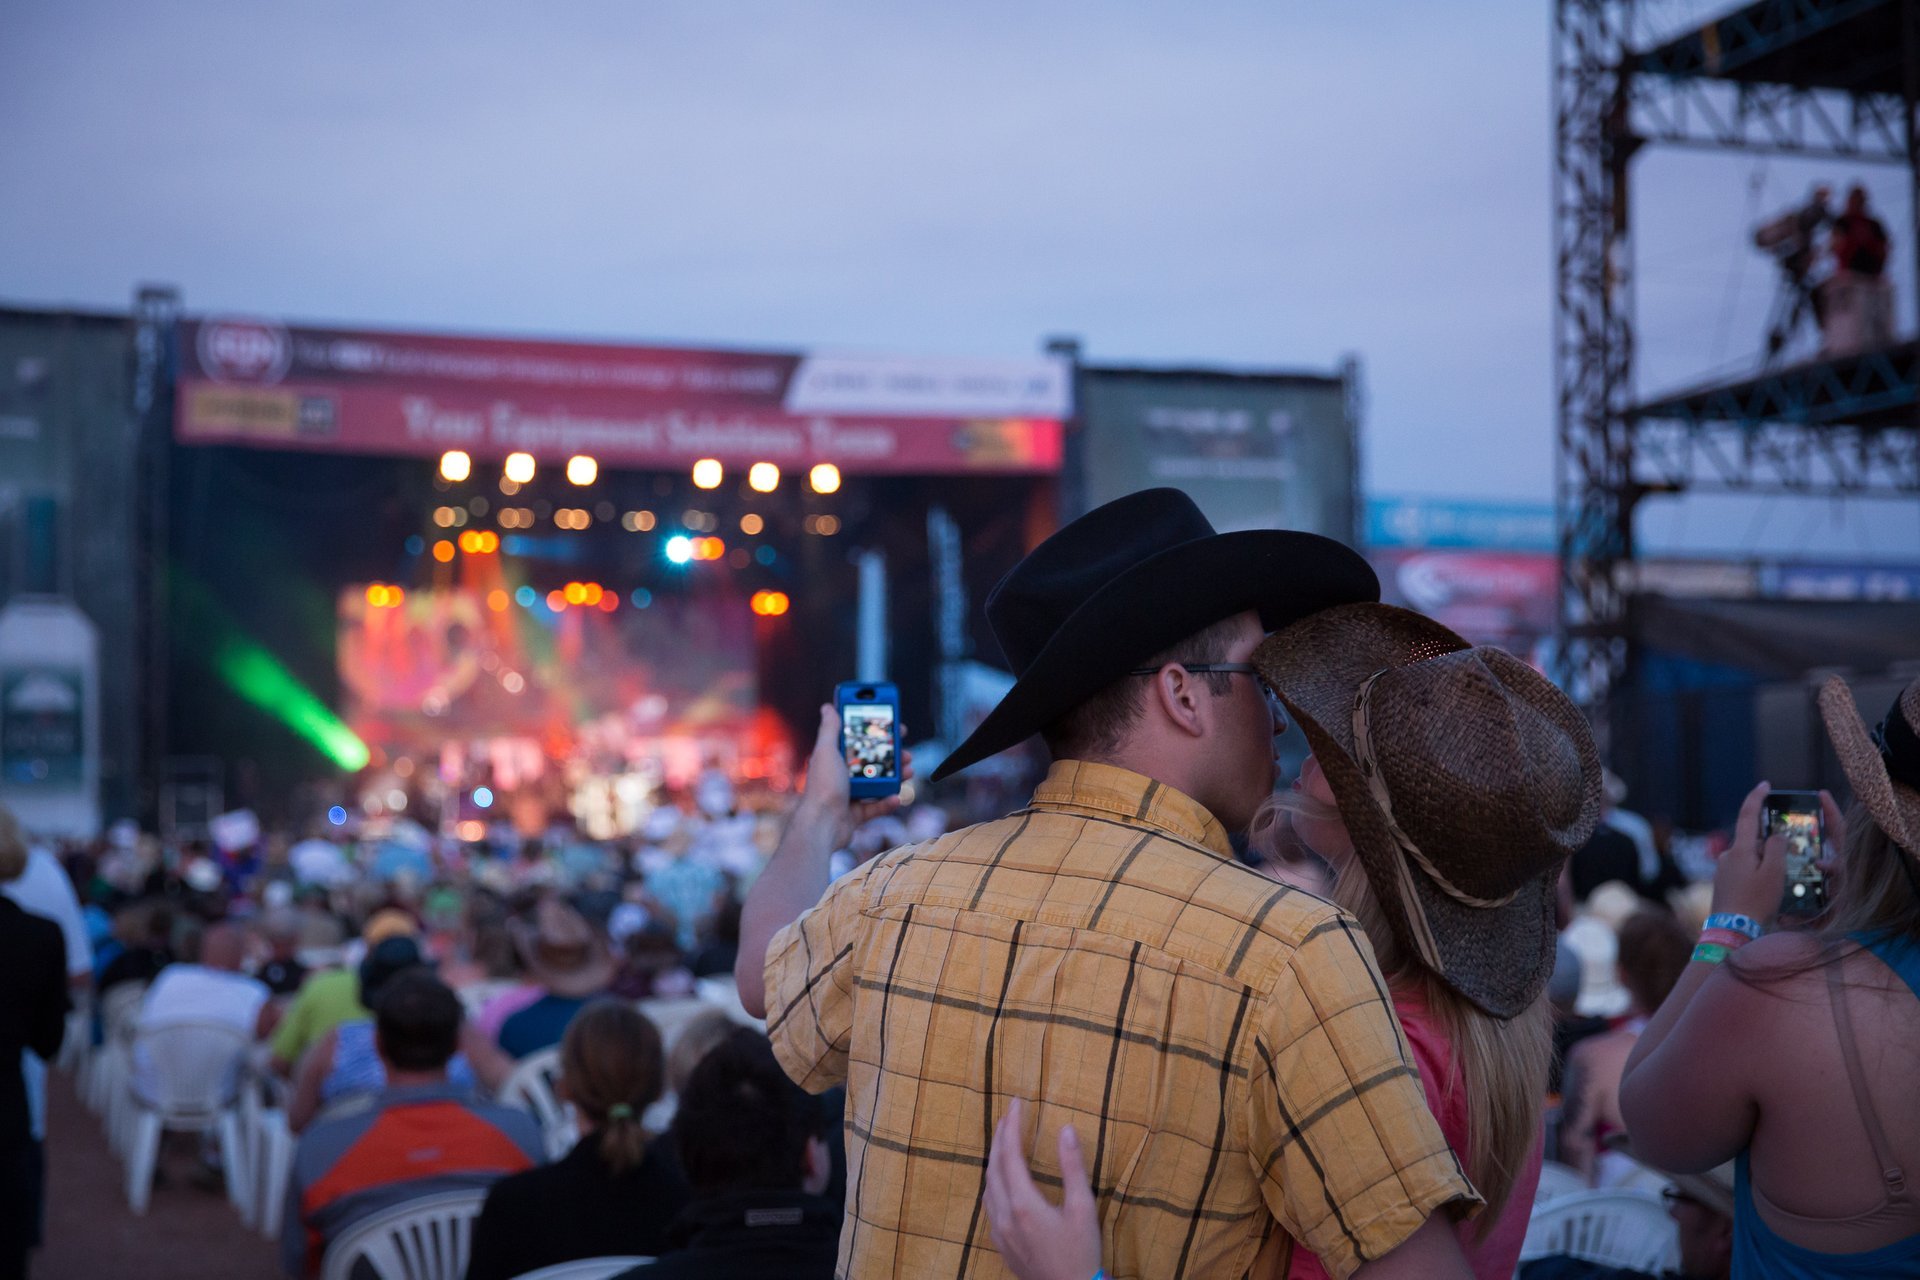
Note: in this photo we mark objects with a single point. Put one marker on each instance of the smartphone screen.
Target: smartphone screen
(1796, 815)
(867, 731)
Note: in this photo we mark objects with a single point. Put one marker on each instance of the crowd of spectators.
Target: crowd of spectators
(390, 1018)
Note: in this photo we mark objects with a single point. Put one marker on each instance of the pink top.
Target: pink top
(1496, 1256)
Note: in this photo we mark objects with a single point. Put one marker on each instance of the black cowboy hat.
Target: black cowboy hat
(1126, 581)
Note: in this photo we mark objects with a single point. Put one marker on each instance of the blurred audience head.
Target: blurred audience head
(384, 962)
(13, 847)
(417, 1023)
(223, 946)
(743, 1125)
(612, 1069)
(701, 1033)
(1654, 951)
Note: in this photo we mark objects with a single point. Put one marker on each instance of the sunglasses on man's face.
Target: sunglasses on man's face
(1274, 705)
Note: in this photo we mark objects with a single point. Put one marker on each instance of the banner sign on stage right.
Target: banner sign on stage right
(256, 382)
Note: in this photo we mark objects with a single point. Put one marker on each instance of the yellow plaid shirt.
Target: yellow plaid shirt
(1223, 1045)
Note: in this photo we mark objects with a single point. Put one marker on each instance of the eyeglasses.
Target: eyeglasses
(1274, 704)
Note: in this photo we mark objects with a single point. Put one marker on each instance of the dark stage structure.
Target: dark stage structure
(1823, 79)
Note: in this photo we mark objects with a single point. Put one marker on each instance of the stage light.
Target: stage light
(766, 555)
(637, 521)
(472, 830)
(593, 594)
(582, 470)
(770, 604)
(509, 488)
(575, 592)
(513, 682)
(478, 506)
(337, 816)
(708, 473)
(556, 601)
(825, 478)
(679, 549)
(443, 516)
(763, 477)
(382, 596)
(708, 548)
(519, 468)
(641, 597)
(497, 601)
(470, 542)
(489, 542)
(415, 544)
(455, 466)
(264, 681)
(483, 797)
(443, 551)
(609, 602)
(751, 524)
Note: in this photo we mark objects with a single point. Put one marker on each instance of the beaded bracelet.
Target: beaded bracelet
(1710, 953)
(1735, 921)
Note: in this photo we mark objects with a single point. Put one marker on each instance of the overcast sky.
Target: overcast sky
(1247, 183)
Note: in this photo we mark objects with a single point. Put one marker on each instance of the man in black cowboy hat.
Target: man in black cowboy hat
(1223, 1046)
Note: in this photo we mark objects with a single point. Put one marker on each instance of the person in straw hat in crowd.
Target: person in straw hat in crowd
(1791, 1052)
(1447, 787)
(1097, 970)
(569, 961)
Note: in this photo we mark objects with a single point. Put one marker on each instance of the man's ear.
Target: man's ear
(1178, 694)
(816, 1167)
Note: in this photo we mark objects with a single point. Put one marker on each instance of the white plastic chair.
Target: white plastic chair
(1557, 1180)
(530, 1088)
(273, 1166)
(423, 1239)
(1616, 1228)
(107, 1068)
(192, 1064)
(584, 1269)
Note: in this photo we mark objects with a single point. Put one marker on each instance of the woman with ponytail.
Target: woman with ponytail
(616, 1191)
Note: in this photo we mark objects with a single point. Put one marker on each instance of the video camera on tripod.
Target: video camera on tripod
(1789, 240)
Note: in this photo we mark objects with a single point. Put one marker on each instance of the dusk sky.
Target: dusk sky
(1243, 184)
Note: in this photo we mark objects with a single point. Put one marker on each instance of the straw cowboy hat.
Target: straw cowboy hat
(1882, 766)
(562, 952)
(1466, 781)
(1129, 579)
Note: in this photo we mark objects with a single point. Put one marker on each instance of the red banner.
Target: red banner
(258, 383)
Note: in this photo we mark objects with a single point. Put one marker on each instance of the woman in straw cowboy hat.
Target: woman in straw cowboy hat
(1448, 786)
(1792, 1053)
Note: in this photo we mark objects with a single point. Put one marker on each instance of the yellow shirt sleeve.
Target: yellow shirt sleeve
(1350, 1160)
(810, 985)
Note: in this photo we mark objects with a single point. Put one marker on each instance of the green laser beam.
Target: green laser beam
(263, 680)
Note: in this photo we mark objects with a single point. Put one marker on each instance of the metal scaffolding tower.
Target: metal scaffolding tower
(1834, 79)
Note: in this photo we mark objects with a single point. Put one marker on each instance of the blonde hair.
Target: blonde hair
(1500, 1065)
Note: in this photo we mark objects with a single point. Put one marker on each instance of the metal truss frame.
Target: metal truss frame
(1795, 431)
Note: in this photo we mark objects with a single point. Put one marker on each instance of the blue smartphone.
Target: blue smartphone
(870, 736)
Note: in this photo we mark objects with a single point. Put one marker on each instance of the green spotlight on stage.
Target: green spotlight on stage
(261, 679)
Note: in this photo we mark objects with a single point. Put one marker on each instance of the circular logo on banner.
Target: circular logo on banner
(240, 349)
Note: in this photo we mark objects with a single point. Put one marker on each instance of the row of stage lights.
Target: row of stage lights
(578, 595)
(579, 519)
(456, 465)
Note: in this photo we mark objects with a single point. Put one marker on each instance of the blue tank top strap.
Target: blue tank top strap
(1759, 1253)
(1900, 954)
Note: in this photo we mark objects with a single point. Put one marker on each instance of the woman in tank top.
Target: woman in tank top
(1793, 1054)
